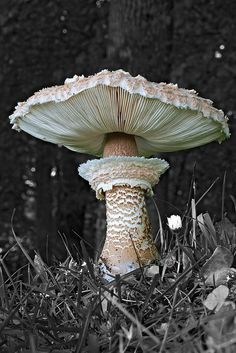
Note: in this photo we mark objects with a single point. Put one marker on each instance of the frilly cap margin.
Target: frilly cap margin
(167, 93)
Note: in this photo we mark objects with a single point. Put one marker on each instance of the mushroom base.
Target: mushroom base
(128, 242)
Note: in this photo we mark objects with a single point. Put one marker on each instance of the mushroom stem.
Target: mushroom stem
(120, 144)
(124, 181)
(128, 241)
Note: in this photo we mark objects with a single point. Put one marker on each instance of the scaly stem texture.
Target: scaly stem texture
(128, 242)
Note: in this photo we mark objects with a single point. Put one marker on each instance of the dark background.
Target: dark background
(189, 42)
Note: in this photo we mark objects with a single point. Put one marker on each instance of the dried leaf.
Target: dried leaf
(222, 330)
(216, 298)
(93, 344)
(221, 259)
(220, 277)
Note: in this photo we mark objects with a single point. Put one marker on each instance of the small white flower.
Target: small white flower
(174, 222)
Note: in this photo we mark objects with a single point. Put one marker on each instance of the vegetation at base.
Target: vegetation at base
(183, 303)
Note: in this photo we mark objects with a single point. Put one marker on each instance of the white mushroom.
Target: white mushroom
(121, 118)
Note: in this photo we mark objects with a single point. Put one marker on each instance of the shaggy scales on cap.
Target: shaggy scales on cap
(80, 114)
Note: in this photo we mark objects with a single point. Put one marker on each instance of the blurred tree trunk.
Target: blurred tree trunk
(140, 37)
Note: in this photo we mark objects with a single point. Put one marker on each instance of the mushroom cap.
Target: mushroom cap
(80, 113)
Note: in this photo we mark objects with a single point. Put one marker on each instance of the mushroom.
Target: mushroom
(123, 119)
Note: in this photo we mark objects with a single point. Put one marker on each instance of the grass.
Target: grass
(163, 308)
